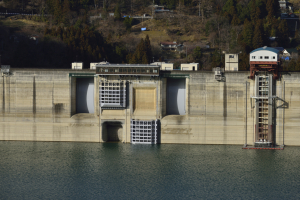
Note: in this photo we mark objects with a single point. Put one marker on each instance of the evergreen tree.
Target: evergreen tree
(252, 6)
(145, 59)
(273, 9)
(117, 13)
(258, 35)
(50, 6)
(276, 8)
(197, 54)
(283, 34)
(59, 33)
(142, 54)
(66, 12)
(140, 50)
(297, 67)
(244, 62)
(257, 14)
(228, 5)
(248, 34)
(133, 60)
(84, 4)
(235, 20)
(148, 48)
(292, 65)
(216, 59)
(128, 23)
(57, 12)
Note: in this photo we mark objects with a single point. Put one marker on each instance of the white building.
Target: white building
(93, 65)
(231, 62)
(264, 54)
(189, 66)
(167, 66)
(164, 66)
(77, 65)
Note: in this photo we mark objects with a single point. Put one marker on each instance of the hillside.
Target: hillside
(77, 30)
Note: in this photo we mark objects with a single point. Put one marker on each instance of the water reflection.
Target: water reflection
(58, 170)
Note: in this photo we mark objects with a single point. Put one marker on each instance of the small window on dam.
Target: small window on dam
(85, 95)
(176, 90)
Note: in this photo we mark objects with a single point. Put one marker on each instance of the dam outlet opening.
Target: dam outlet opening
(176, 96)
(85, 95)
(112, 131)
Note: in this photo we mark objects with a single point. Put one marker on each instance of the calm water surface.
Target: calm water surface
(59, 170)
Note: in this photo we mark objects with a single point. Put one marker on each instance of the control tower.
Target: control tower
(264, 59)
(264, 67)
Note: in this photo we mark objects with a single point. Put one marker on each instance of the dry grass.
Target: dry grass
(21, 23)
(180, 29)
(156, 35)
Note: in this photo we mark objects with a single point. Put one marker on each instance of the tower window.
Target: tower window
(273, 57)
(253, 57)
(261, 57)
(266, 57)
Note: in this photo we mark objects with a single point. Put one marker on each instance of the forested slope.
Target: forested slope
(66, 32)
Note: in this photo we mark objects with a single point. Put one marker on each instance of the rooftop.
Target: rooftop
(126, 65)
(265, 48)
(168, 43)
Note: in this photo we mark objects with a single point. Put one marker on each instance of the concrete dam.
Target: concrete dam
(149, 106)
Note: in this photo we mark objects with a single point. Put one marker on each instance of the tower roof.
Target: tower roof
(265, 48)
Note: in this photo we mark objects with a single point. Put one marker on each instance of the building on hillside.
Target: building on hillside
(231, 62)
(172, 46)
(291, 53)
(77, 65)
(167, 66)
(264, 59)
(189, 66)
(285, 5)
(164, 66)
(159, 9)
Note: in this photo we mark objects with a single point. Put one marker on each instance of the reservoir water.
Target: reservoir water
(61, 170)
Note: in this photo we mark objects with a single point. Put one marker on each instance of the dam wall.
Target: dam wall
(191, 107)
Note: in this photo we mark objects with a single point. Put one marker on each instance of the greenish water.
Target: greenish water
(60, 170)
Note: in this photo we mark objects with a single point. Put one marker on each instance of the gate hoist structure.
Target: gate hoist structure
(264, 68)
